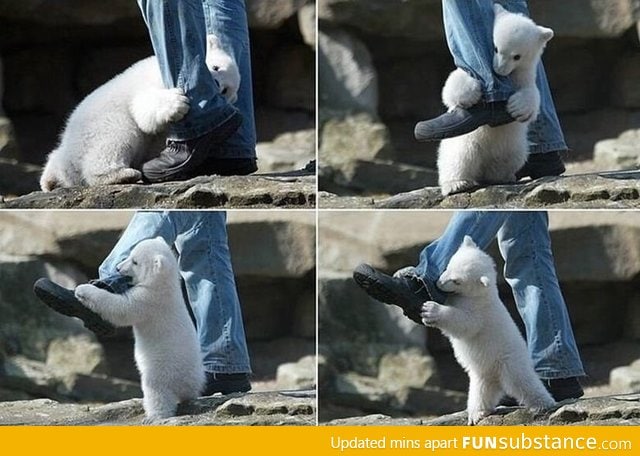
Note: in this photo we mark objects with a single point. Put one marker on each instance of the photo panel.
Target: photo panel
(407, 298)
(220, 307)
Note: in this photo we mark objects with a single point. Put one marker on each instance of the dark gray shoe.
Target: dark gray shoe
(408, 293)
(183, 160)
(64, 301)
(541, 165)
(462, 121)
(226, 383)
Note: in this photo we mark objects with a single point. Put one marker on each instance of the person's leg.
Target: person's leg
(468, 26)
(205, 264)
(529, 269)
(227, 20)
(546, 139)
(178, 35)
(482, 226)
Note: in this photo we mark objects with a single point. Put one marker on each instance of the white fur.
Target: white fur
(492, 155)
(166, 345)
(486, 341)
(121, 124)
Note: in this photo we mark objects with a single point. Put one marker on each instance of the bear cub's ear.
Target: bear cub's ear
(545, 33)
(498, 9)
(468, 242)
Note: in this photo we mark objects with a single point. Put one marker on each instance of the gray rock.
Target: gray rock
(27, 324)
(612, 190)
(250, 409)
(300, 375)
(257, 191)
(415, 19)
(286, 244)
(410, 368)
(622, 152)
(35, 378)
(601, 411)
(357, 335)
(287, 152)
(380, 177)
(600, 19)
(626, 378)
(347, 79)
(354, 137)
(271, 15)
(307, 24)
(79, 354)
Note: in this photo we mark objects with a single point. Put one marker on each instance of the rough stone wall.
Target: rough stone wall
(55, 53)
(383, 76)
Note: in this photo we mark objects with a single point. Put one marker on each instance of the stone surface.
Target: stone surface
(300, 375)
(307, 24)
(626, 378)
(622, 410)
(347, 79)
(287, 151)
(18, 178)
(250, 409)
(76, 355)
(410, 368)
(610, 190)
(8, 144)
(621, 152)
(272, 14)
(257, 191)
(36, 378)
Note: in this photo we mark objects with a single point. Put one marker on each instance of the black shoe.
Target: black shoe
(560, 389)
(182, 160)
(564, 388)
(229, 166)
(64, 301)
(541, 165)
(462, 121)
(226, 383)
(408, 293)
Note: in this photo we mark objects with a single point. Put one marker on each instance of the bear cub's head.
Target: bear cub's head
(223, 68)
(150, 261)
(518, 42)
(470, 272)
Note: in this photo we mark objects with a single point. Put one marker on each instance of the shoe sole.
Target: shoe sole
(363, 276)
(53, 300)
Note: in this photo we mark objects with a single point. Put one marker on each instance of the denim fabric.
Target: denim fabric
(469, 30)
(525, 245)
(200, 239)
(227, 19)
(178, 31)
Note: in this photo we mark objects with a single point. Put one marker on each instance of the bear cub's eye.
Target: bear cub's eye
(135, 263)
(516, 57)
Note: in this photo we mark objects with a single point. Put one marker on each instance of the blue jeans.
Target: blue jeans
(200, 238)
(469, 30)
(525, 245)
(178, 31)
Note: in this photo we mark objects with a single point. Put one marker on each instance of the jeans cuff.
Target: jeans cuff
(179, 132)
(558, 146)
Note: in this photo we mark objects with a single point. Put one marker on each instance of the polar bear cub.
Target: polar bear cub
(166, 351)
(121, 124)
(493, 155)
(486, 341)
